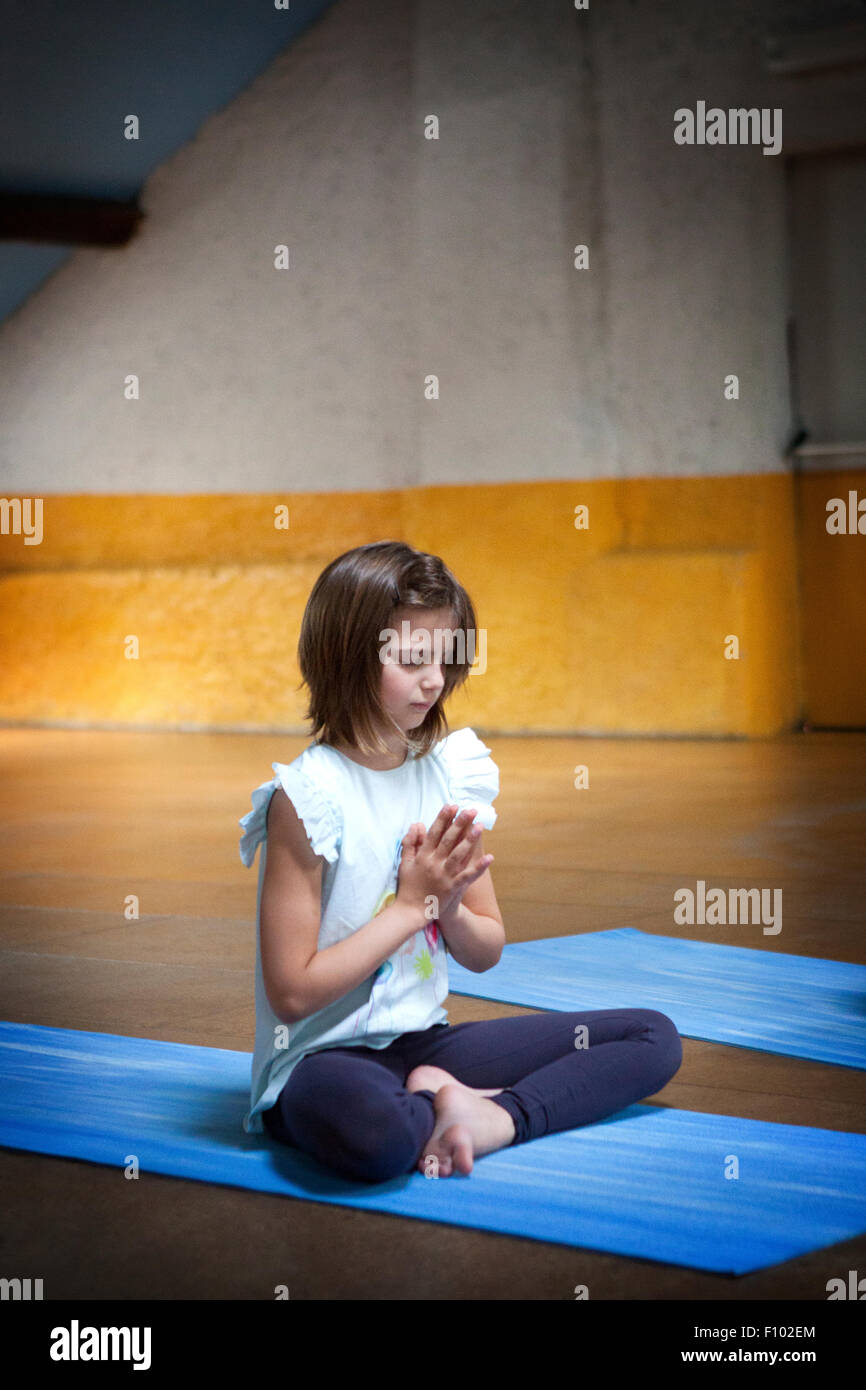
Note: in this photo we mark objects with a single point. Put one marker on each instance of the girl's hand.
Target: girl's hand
(436, 863)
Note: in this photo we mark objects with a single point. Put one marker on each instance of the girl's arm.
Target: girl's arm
(474, 940)
(474, 930)
(300, 979)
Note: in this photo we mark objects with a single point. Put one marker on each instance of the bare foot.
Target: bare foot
(467, 1126)
(434, 1078)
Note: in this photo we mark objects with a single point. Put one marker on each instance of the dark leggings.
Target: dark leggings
(349, 1108)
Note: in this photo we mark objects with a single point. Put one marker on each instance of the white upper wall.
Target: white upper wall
(410, 257)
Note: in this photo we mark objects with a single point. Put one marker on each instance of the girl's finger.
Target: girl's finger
(441, 823)
(460, 830)
(483, 864)
(464, 849)
(414, 837)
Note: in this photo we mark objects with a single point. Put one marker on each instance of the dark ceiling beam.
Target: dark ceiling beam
(68, 221)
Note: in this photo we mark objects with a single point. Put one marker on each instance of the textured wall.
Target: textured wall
(411, 256)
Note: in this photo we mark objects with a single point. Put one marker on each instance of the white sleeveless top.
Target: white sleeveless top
(356, 818)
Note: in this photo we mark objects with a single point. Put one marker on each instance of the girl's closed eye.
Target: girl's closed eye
(408, 660)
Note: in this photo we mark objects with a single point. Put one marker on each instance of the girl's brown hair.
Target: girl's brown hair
(351, 605)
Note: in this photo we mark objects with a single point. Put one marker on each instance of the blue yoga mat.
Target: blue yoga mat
(797, 1005)
(648, 1182)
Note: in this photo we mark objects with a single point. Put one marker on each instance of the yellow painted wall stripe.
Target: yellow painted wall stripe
(619, 628)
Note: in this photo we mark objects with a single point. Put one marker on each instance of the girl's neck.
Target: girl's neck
(376, 762)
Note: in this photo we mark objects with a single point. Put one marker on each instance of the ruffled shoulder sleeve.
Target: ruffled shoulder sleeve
(309, 784)
(473, 777)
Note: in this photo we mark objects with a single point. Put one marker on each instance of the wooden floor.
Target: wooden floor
(89, 817)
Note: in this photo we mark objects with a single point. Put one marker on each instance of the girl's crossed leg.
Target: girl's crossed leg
(349, 1107)
(559, 1070)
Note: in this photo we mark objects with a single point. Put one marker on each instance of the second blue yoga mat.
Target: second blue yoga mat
(797, 1005)
(707, 1191)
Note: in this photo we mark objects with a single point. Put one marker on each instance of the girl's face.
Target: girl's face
(410, 688)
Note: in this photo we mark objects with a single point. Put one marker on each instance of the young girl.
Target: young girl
(372, 870)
